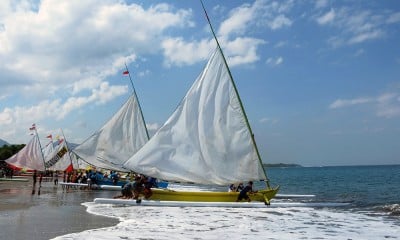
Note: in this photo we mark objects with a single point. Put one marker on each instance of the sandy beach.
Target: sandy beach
(53, 212)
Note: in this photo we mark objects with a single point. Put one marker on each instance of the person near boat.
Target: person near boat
(114, 177)
(142, 186)
(240, 187)
(243, 194)
(126, 191)
(55, 176)
(34, 176)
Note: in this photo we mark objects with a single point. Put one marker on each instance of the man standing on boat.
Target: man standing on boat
(244, 193)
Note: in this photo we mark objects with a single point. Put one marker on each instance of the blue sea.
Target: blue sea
(348, 202)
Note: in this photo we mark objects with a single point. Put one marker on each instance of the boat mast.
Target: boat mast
(237, 93)
(137, 99)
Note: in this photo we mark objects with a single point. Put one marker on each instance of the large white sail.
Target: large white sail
(30, 157)
(206, 140)
(122, 136)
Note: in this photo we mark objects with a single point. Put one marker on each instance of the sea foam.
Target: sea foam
(228, 223)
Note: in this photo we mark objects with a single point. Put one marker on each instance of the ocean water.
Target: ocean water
(357, 202)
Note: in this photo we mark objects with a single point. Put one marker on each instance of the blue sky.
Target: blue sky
(319, 80)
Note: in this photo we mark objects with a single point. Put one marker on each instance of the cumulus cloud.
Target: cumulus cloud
(57, 56)
(58, 44)
(232, 33)
(179, 52)
(57, 109)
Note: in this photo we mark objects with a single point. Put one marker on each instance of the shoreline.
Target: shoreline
(55, 212)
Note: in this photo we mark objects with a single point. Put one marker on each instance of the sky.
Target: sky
(319, 79)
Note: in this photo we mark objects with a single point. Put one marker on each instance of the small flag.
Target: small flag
(50, 136)
(33, 127)
(126, 72)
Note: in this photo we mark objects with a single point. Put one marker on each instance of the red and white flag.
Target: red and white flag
(126, 72)
(50, 136)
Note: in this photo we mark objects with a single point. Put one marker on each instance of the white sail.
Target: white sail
(48, 149)
(206, 140)
(122, 136)
(59, 159)
(77, 162)
(30, 157)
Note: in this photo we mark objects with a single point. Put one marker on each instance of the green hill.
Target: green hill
(270, 165)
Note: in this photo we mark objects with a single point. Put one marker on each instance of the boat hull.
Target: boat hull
(204, 196)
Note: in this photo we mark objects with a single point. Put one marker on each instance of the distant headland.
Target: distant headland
(277, 165)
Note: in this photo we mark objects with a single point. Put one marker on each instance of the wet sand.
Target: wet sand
(56, 211)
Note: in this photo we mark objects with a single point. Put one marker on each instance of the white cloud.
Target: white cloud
(385, 105)
(57, 44)
(321, 3)
(366, 36)
(153, 126)
(261, 13)
(340, 103)
(355, 26)
(238, 20)
(280, 44)
(179, 52)
(326, 18)
(394, 18)
(279, 22)
(359, 52)
(56, 109)
(237, 49)
(274, 61)
(241, 50)
(268, 121)
(57, 56)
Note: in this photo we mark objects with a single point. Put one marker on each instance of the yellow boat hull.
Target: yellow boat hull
(264, 195)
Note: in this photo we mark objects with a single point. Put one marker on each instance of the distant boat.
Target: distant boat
(29, 157)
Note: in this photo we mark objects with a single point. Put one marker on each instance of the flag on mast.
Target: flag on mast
(33, 127)
(125, 72)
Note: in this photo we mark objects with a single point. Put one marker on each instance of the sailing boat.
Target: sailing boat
(59, 159)
(117, 140)
(29, 157)
(207, 140)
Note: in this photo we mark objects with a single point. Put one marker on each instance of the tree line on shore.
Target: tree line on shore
(7, 151)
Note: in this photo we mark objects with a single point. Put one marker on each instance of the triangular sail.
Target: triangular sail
(122, 136)
(206, 140)
(30, 157)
